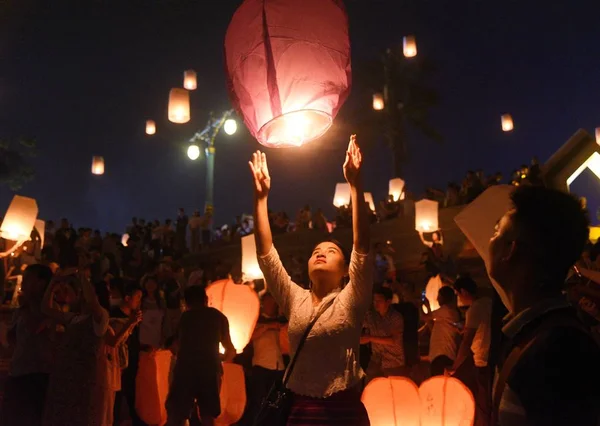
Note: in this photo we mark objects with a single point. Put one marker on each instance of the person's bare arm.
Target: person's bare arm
(465, 348)
(227, 343)
(262, 186)
(114, 339)
(361, 233)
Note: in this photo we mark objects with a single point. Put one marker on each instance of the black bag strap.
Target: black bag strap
(290, 367)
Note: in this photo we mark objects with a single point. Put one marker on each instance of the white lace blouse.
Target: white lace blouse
(328, 362)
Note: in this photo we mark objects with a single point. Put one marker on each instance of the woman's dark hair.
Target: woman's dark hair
(466, 283)
(385, 292)
(446, 295)
(339, 245)
(159, 300)
(195, 295)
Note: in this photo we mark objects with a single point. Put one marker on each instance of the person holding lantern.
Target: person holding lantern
(326, 378)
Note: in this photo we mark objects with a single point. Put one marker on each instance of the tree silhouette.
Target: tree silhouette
(15, 167)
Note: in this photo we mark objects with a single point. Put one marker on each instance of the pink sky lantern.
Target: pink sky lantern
(288, 67)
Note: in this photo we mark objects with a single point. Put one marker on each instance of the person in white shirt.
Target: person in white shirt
(471, 364)
(326, 380)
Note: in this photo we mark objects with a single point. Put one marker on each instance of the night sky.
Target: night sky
(83, 76)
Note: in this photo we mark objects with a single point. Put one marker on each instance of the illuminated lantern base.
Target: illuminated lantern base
(294, 128)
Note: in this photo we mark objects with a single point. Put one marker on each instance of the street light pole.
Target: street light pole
(208, 136)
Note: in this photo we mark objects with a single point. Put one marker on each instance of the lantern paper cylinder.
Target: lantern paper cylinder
(409, 46)
(392, 401)
(288, 67)
(230, 126)
(446, 401)
(396, 189)
(98, 165)
(369, 199)
(189, 80)
(19, 219)
(193, 152)
(179, 106)
(426, 216)
(431, 292)
(240, 304)
(342, 195)
(250, 267)
(598, 135)
(378, 102)
(150, 127)
(125, 240)
(507, 123)
(232, 395)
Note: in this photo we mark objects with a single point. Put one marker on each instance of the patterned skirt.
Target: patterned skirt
(341, 408)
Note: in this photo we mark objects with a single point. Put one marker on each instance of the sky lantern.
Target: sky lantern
(124, 240)
(179, 106)
(598, 135)
(369, 199)
(288, 67)
(409, 46)
(378, 102)
(250, 267)
(189, 80)
(431, 292)
(19, 219)
(98, 165)
(426, 216)
(342, 195)
(446, 401)
(240, 304)
(396, 189)
(232, 395)
(392, 401)
(507, 123)
(150, 127)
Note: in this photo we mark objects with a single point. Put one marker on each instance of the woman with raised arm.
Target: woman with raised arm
(326, 379)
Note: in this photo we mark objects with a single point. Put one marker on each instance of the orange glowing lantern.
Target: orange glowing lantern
(232, 395)
(19, 219)
(431, 292)
(288, 66)
(342, 195)
(98, 165)
(150, 127)
(378, 102)
(240, 304)
(179, 106)
(369, 199)
(409, 46)
(507, 123)
(440, 401)
(189, 80)
(250, 267)
(426, 216)
(598, 135)
(396, 189)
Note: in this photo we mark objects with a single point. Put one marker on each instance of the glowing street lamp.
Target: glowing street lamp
(193, 152)
(230, 126)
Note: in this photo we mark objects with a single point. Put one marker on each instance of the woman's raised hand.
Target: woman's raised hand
(353, 163)
(260, 172)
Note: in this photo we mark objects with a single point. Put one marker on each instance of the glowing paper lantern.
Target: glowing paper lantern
(409, 46)
(189, 80)
(426, 216)
(507, 123)
(125, 240)
(230, 126)
(19, 219)
(232, 395)
(150, 127)
(598, 135)
(240, 304)
(440, 401)
(98, 165)
(378, 102)
(431, 292)
(288, 66)
(369, 199)
(179, 106)
(193, 152)
(396, 189)
(250, 267)
(342, 195)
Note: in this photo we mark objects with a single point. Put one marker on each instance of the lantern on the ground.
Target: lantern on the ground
(507, 123)
(98, 165)
(342, 195)
(392, 401)
(179, 106)
(230, 126)
(189, 80)
(250, 268)
(19, 219)
(150, 127)
(446, 401)
(240, 304)
(369, 199)
(378, 102)
(193, 152)
(426, 216)
(232, 395)
(396, 189)
(409, 46)
(288, 67)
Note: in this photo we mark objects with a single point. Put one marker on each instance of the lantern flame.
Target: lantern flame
(294, 129)
(378, 102)
(189, 80)
(507, 123)
(98, 165)
(150, 127)
(409, 46)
